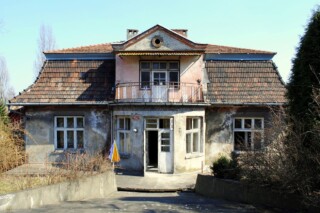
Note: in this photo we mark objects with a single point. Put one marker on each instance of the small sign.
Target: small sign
(136, 117)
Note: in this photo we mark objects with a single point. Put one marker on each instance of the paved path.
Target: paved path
(149, 202)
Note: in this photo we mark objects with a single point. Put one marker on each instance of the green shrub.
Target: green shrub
(224, 167)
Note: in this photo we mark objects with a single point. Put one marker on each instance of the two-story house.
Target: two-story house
(170, 104)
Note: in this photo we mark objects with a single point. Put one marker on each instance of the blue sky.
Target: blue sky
(274, 25)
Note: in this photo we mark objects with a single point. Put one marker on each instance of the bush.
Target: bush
(224, 167)
(286, 164)
(11, 147)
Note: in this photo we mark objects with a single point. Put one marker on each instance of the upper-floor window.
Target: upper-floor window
(248, 133)
(69, 132)
(159, 73)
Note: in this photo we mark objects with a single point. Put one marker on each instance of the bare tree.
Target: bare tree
(46, 42)
(6, 91)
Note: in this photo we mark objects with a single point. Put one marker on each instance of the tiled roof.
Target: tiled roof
(97, 48)
(235, 50)
(242, 82)
(71, 82)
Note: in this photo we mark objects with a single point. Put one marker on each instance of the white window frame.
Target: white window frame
(126, 131)
(252, 130)
(167, 72)
(65, 129)
(191, 133)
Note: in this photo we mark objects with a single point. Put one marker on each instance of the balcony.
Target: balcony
(165, 92)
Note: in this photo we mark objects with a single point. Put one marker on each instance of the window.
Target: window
(123, 136)
(159, 73)
(69, 132)
(248, 133)
(193, 136)
(158, 123)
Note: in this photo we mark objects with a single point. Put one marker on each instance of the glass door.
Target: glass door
(159, 88)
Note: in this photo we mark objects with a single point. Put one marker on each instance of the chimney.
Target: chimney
(131, 33)
(183, 32)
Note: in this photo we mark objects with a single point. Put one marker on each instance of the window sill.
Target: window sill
(70, 151)
(194, 155)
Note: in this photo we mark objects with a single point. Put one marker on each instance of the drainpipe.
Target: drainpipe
(111, 121)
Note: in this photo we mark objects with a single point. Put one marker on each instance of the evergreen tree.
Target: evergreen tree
(305, 75)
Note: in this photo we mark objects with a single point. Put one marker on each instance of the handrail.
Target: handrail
(159, 92)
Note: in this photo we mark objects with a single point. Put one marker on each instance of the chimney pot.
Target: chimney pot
(131, 33)
(183, 32)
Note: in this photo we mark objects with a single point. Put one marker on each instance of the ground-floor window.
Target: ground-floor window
(193, 135)
(248, 133)
(69, 132)
(123, 135)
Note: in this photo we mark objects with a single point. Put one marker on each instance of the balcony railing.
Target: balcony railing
(159, 92)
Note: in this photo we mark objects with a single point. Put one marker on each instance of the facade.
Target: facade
(170, 104)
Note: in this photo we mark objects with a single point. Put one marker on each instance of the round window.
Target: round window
(157, 41)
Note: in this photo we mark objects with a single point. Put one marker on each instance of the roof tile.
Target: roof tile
(61, 83)
(240, 82)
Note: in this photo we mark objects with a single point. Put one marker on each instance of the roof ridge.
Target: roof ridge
(239, 48)
(83, 46)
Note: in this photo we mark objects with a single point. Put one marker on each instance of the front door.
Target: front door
(158, 145)
(165, 151)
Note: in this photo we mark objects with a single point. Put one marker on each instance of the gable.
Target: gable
(158, 39)
(168, 43)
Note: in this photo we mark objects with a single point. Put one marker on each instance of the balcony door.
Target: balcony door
(159, 88)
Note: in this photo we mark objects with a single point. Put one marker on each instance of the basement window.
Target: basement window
(69, 132)
(248, 133)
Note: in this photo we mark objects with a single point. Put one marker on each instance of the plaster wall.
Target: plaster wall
(219, 131)
(127, 67)
(40, 131)
(181, 161)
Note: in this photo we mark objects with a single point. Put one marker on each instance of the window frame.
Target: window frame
(65, 129)
(126, 131)
(251, 130)
(191, 132)
(172, 84)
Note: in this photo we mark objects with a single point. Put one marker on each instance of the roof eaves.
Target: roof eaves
(248, 104)
(61, 104)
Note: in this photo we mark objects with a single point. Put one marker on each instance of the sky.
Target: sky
(272, 25)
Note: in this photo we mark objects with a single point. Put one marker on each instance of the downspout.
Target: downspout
(111, 121)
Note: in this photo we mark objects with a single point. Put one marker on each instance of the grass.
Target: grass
(12, 183)
(26, 176)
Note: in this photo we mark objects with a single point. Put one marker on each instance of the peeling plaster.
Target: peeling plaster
(97, 120)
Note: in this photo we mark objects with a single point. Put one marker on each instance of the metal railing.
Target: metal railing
(159, 92)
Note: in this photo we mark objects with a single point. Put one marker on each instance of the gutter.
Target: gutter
(248, 104)
(57, 104)
(157, 104)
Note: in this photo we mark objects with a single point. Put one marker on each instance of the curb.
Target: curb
(128, 189)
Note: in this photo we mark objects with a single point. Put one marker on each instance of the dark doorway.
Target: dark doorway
(152, 149)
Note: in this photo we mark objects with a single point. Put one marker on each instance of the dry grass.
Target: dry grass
(11, 146)
(78, 166)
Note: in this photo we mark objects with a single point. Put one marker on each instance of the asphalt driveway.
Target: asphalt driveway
(149, 202)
